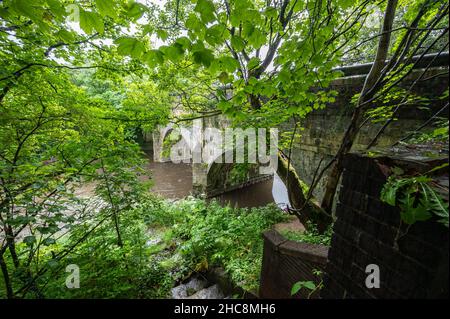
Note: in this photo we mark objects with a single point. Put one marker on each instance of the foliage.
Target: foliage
(239, 172)
(417, 200)
(79, 79)
(106, 270)
(302, 284)
(54, 136)
(233, 43)
(207, 234)
(436, 134)
(169, 141)
(194, 236)
(310, 236)
(308, 285)
(396, 97)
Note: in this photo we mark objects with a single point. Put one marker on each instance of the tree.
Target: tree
(371, 79)
(385, 74)
(54, 134)
(273, 55)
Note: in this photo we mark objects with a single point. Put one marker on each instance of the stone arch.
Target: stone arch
(162, 147)
(221, 177)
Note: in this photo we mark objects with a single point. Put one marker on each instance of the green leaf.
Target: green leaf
(198, 46)
(224, 106)
(253, 63)
(184, 42)
(296, 288)
(235, 19)
(204, 57)
(216, 34)
(309, 285)
(238, 43)
(390, 189)
(193, 23)
(206, 9)
(27, 8)
(130, 46)
(65, 36)
(229, 63)
(302, 284)
(106, 8)
(53, 263)
(135, 10)
(410, 215)
(271, 12)
(257, 38)
(90, 21)
(284, 76)
(439, 207)
(389, 195)
(247, 29)
(162, 34)
(173, 52)
(29, 240)
(345, 3)
(153, 58)
(224, 77)
(20, 220)
(269, 90)
(48, 241)
(56, 8)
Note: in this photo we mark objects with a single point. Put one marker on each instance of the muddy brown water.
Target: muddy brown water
(174, 181)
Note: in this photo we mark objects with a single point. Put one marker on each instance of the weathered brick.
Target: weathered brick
(383, 212)
(413, 260)
(359, 201)
(375, 187)
(420, 251)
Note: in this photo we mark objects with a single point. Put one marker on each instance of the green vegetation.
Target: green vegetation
(310, 236)
(81, 80)
(208, 234)
(162, 243)
(416, 196)
(170, 140)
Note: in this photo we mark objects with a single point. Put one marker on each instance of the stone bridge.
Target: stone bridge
(216, 175)
(322, 134)
(324, 129)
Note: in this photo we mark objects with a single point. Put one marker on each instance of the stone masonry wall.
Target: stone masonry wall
(324, 129)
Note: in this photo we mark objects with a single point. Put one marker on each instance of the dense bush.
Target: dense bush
(208, 234)
(163, 242)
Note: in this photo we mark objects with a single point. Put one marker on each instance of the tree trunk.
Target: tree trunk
(115, 216)
(11, 245)
(306, 211)
(369, 86)
(7, 279)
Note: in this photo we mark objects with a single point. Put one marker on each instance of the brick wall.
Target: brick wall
(286, 262)
(414, 262)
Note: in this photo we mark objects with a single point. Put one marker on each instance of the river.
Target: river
(174, 181)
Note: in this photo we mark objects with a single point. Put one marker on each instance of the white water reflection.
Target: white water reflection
(279, 192)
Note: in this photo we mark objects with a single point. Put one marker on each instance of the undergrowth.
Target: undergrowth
(163, 243)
